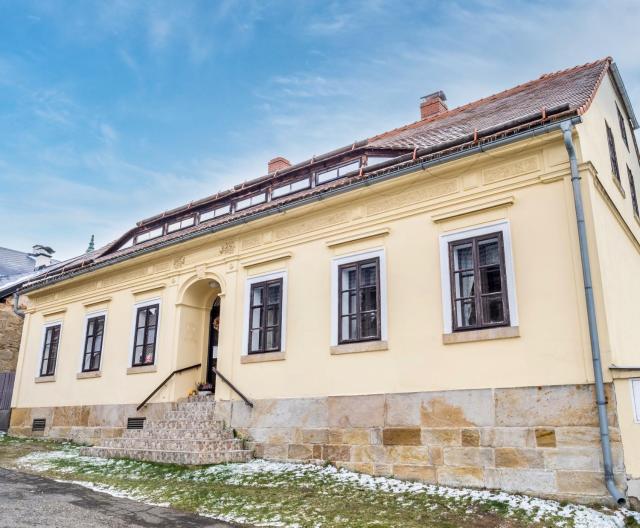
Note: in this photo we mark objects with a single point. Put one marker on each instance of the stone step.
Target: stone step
(190, 415)
(196, 406)
(198, 398)
(187, 434)
(183, 424)
(174, 444)
(191, 458)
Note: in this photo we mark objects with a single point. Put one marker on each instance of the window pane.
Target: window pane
(348, 278)
(464, 284)
(142, 317)
(348, 302)
(463, 257)
(273, 314)
(368, 325)
(256, 316)
(95, 362)
(492, 309)
(90, 327)
(148, 354)
(152, 315)
(45, 366)
(137, 355)
(257, 296)
(273, 293)
(272, 339)
(87, 362)
(368, 299)
(368, 275)
(490, 279)
(465, 313)
(255, 340)
(348, 328)
(327, 176)
(151, 335)
(89, 346)
(489, 252)
(140, 336)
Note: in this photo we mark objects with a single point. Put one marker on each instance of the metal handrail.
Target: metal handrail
(177, 371)
(233, 387)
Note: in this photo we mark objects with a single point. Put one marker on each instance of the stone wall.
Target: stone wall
(10, 333)
(86, 424)
(542, 441)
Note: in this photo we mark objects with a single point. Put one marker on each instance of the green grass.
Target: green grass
(281, 495)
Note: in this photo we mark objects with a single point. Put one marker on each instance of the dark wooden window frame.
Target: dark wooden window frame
(50, 349)
(359, 339)
(634, 194)
(263, 316)
(94, 354)
(478, 294)
(145, 335)
(623, 129)
(615, 168)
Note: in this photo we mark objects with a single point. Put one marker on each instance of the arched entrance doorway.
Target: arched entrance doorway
(199, 310)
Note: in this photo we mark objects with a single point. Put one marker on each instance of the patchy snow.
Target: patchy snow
(272, 474)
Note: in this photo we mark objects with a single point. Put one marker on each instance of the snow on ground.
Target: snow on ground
(264, 473)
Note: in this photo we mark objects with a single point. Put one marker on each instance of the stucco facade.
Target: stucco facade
(509, 407)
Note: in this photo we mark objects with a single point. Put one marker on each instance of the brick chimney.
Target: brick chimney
(43, 256)
(433, 104)
(277, 164)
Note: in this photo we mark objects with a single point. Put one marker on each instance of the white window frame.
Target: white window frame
(132, 338)
(291, 187)
(250, 201)
(495, 227)
(41, 351)
(88, 316)
(182, 223)
(157, 232)
(634, 385)
(216, 212)
(378, 253)
(282, 274)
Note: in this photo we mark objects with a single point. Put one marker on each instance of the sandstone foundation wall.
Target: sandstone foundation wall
(542, 441)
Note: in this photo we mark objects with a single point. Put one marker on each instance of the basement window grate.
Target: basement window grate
(38, 424)
(135, 423)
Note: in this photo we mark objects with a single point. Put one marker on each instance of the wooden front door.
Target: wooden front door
(214, 331)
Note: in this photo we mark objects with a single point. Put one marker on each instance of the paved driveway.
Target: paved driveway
(29, 500)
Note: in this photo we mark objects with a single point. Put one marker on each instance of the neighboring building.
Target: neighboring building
(411, 305)
(15, 268)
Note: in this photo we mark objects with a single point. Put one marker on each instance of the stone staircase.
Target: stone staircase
(189, 435)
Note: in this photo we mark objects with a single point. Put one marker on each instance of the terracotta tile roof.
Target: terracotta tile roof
(551, 96)
(573, 87)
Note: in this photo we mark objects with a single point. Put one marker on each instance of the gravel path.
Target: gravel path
(29, 500)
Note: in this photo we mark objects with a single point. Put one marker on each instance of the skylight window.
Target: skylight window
(181, 224)
(215, 213)
(337, 172)
(289, 188)
(148, 235)
(251, 200)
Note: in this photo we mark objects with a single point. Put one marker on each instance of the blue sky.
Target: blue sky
(113, 111)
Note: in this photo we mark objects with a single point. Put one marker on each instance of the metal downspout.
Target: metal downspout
(16, 309)
(605, 440)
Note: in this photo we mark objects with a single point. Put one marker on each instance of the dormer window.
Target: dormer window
(376, 160)
(290, 188)
(148, 235)
(127, 244)
(215, 213)
(181, 224)
(337, 172)
(251, 200)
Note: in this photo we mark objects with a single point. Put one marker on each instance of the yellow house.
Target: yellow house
(453, 301)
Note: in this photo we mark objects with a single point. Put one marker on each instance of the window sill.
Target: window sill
(45, 379)
(619, 186)
(356, 348)
(142, 369)
(90, 374)
(261, 358)
(486, 334)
